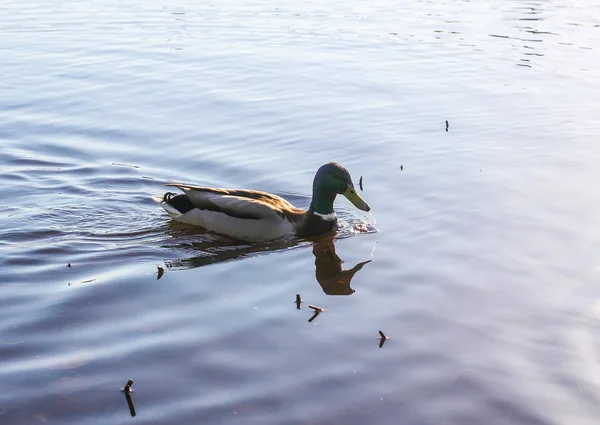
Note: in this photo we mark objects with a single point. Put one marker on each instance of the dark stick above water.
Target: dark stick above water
(127, 391)
(383, 339)
(298, 301)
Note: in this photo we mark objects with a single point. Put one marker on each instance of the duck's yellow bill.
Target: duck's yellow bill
(355, 198)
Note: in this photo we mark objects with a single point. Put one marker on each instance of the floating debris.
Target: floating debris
(69, 265)
(161, 271)
(360, 183)
(383, 339)
(127, 391)
(401, 167)
(89, 281)
(298, 301)
(447, 125)
(316, 308)
(314, 316)
(120, 164)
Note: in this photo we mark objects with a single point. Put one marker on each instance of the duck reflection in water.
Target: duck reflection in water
(329, 273)
(214, 249)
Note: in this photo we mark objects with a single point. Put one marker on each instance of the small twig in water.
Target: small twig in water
(383, 339)
(315, 308)
(314, 316)
(447, 125)
(360, 183)
(127, 391)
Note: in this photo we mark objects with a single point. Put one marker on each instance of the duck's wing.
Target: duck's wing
(250, 204)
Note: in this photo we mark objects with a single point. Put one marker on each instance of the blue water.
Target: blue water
(484, 245)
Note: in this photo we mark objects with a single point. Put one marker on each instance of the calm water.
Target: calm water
(485, 248)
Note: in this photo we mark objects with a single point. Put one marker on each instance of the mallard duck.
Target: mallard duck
(253, 215)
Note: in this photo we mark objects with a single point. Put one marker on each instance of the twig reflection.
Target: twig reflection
(314, 316)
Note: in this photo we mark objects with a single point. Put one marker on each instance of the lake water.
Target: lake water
(485, 246)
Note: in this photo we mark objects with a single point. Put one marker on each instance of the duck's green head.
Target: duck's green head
(333, 179)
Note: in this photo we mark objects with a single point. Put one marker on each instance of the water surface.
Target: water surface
(484, 246)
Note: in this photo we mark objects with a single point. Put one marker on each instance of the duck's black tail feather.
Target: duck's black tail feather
(180, 202)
